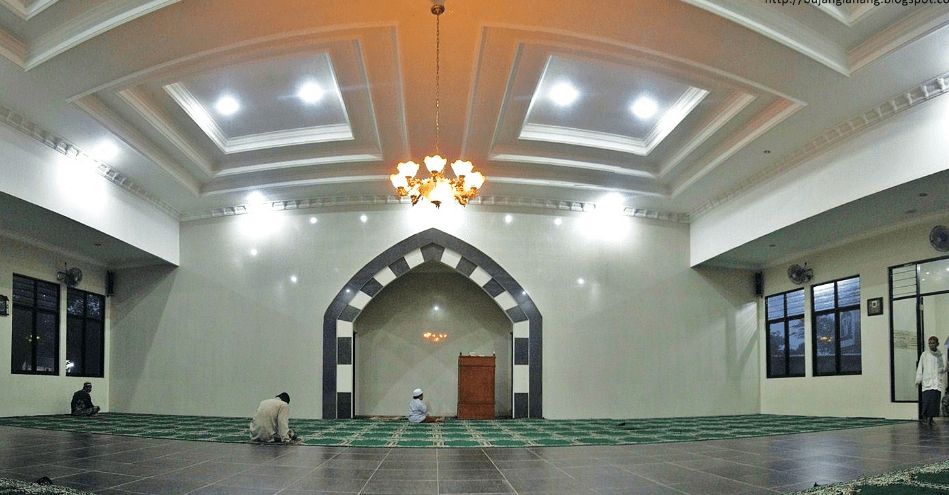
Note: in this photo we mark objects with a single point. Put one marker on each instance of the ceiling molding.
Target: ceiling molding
(12, 49)
(767, 20)
(848, 129)
(763, 122)
(303, 162)
(26, 9)
(94, 107)
(846, 14)
(88, 25)
(60, 145)
(913, 27)
(144, 107)
(372, 199)
(736, 102)
(562, 162)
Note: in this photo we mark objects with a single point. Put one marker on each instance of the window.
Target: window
(786, 334)
(837, 327)
(35, 347)
(85, 333)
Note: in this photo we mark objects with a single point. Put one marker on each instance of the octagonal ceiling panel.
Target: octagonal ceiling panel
(275, 134)
(286, 101)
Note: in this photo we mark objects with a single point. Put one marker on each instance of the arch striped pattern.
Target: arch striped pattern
(431, 245)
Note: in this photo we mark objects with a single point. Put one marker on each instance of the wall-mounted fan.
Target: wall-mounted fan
(799, 275)
(939, 238)
(71, 276)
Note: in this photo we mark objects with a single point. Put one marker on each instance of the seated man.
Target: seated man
(271, 423)
(81, 404)
(418, 410)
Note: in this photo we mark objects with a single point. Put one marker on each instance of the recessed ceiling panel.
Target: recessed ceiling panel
(285, 101)
(589, 110)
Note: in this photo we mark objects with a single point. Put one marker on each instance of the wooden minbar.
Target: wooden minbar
(475, 387)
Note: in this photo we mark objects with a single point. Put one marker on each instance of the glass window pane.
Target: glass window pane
(47, 296)
(75, 301)
(796, 303)
(46, 341)
(848, 292)
(94, 347)
(775, 307)
(934, 276)
(23, 291)
(796, 352)
(776, 360)
(825, 340)
(94, 306)
(823, 297)
(22, 355)
(74, 346)
(850, 341)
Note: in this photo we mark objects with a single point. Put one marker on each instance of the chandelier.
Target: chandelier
(437, 187)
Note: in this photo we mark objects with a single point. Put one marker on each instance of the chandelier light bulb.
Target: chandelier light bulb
(437, 188)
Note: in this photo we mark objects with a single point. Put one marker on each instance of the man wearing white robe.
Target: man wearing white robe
(272, 421)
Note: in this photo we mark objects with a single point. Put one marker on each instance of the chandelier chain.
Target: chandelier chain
(438, 44)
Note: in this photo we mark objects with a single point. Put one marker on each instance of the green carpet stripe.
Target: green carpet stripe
(454, 433)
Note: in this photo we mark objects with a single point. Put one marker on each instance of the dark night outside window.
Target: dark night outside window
(35, 345)
(785, 334)
(837, 327)
(85, 332)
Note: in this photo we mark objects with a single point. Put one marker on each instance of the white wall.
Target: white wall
(33, 172)
(42, 394)
(905, 147)
(643, 335)
(867, 394)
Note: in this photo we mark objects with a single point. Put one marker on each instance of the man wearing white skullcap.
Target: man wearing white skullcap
(418, 411)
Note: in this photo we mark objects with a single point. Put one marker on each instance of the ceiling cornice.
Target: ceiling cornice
(831, 137)
(58, 144)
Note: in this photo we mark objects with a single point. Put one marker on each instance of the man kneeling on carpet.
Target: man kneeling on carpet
(272, 421)
(931, 376)
(81, 404)
(418, 411)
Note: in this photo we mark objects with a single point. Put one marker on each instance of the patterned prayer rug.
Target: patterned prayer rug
(930, 479)
(453, 432)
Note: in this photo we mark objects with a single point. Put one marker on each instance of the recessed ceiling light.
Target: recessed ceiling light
(563, 94)
(293, 278)
(312, 219)
(311, 92)
(227, 105)
(557, 221)
(363, 218)
(255, 197)
(253, 252)
(508, 219)
(644, 108)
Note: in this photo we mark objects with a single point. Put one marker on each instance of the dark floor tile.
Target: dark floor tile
(154, 486)
(406, 474)
(400, 487)
(96, 479)
(474, 486)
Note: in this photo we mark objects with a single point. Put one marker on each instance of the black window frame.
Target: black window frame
(836, 310)
(787, 334)
(33, 307)
(85, 321)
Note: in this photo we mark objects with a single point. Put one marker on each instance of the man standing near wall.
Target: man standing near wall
(931, 376)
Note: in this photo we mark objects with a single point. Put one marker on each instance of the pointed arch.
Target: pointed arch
(431, 245)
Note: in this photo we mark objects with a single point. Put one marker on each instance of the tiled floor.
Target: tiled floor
(777, 464)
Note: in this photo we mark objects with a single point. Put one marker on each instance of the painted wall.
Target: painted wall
(905, 147)
(392, 352)
(42, 394)
(33, 172)
(867, 394)
(629, 329)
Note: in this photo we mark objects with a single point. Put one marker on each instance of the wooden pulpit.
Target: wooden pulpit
(475, 387)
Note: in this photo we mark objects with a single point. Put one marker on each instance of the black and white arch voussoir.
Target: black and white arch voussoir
(431, 245)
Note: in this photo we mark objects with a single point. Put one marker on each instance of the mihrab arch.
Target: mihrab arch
(431, 245)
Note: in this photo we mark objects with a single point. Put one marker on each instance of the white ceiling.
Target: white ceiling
(743, 90)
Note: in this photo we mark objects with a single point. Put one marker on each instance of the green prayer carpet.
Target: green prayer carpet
(452, 433)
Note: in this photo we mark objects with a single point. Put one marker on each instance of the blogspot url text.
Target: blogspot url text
(840, 3)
